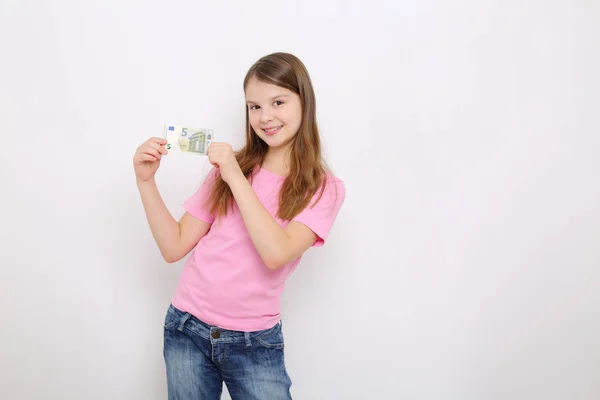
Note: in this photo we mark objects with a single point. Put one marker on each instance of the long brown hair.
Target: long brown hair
(307, 168)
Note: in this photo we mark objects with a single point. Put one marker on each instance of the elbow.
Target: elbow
(171, 257)
(274, 262)
(273, 265)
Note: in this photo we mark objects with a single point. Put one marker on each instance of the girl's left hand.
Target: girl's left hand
(221, 156)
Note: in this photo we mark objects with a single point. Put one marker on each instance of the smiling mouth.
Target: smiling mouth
(272, 131)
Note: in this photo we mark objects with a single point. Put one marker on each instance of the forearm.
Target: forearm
(164, 227)
(268, 237)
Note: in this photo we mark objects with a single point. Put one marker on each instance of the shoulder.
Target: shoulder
(332, 183)
(323, 209)
(332, 191)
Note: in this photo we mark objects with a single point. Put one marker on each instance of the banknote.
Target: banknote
(187, 139)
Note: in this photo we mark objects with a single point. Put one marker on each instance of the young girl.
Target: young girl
(257, 212)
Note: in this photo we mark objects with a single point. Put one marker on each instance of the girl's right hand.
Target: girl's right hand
(147, 158)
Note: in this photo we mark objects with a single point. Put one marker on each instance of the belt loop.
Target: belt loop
(183, 320)
(247, 336)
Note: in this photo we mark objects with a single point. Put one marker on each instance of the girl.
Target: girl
(256, 213)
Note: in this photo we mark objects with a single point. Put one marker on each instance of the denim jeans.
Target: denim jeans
(200, 357)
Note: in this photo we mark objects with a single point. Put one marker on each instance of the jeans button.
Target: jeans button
(216, 334)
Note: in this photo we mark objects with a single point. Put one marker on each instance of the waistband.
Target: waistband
(215, 333)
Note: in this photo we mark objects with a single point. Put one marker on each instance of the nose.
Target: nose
(265, 115)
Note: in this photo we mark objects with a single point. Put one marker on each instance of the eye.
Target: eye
(278, 101)
(252, 107)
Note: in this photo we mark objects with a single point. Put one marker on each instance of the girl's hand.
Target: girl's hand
(147, 158)
(221, 156)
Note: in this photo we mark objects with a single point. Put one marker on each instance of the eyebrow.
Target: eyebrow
(273, 98)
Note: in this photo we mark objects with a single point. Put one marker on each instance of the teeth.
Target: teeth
(272, 130)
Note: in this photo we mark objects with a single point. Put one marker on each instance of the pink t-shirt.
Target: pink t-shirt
(224, 281)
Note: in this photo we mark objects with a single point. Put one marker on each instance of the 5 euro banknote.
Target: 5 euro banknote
(187, 139)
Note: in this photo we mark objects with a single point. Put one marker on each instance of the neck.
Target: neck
(278, 160)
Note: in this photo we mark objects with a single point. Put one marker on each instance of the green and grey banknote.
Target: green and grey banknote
(187, 139)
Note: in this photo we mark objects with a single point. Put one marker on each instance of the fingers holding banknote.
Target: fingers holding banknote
(146, 159)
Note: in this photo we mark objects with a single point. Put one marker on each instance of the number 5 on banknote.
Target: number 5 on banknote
(187, 139)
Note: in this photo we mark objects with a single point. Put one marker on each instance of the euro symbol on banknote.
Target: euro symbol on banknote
(187, 139)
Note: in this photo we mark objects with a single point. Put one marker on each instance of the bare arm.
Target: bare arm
(275, 245)
(174, 239)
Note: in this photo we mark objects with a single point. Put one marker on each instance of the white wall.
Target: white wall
(464, 264)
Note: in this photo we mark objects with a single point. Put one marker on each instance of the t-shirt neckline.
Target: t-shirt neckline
(272, 173)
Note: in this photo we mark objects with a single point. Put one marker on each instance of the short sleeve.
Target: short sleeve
(320, 216)
(196, 205)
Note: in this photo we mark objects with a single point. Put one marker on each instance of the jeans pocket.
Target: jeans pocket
(172, 318)
(271, 338)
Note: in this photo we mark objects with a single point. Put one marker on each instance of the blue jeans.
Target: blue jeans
(200, 357)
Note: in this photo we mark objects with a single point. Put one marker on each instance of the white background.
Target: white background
(463, 265)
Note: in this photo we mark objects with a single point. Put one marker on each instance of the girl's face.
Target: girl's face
(275, 113)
